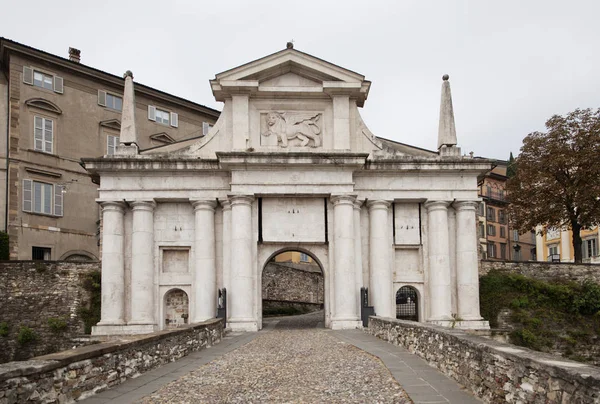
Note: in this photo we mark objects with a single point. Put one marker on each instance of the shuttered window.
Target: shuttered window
(43, 80)
(111, 144)
(110, 100)
(43, 134)
(40, 197)
(161, 116)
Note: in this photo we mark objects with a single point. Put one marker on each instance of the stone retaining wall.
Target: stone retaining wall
(493, 371)
(75, 374)
(293, 283)
(544, 270)
(31, 293)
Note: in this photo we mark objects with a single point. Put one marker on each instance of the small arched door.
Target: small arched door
(407, 304)
(176, 308)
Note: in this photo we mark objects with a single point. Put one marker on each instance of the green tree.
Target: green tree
(511, 169)
(557, 183)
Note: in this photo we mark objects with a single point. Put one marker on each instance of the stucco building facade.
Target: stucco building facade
(53, 112)
(289, 166)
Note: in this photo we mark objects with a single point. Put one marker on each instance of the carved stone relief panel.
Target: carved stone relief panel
(291, 129)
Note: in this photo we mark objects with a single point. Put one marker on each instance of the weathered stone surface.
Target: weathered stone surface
(493, 371)
(78, 373)
(31, 292)
(287, 282)
(544, 270)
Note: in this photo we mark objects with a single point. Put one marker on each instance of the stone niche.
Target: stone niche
(293, 219)
(175, 260)
(291, 129)
(407, 224)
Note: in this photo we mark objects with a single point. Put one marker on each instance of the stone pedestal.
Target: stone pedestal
(205, 271)
(142, 266)
(113, 269)
(241, 296)
(440, 298)
(381, 285)
(345, 315)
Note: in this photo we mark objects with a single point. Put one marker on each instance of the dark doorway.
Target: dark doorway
(407, 304)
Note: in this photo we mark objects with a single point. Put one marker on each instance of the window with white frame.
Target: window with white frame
(43, 80)
(553, 253)
(111, 144)
(491, 230)
(589, 247)
(515, 235)
(163, 116)
(109, 100)
(43, 134)
(491, 250)
(41, 197)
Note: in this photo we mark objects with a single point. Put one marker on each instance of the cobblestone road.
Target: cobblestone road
(288, 365)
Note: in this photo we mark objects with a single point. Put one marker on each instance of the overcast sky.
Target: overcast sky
(512, 64)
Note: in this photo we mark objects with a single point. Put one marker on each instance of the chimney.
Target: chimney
(74, 55)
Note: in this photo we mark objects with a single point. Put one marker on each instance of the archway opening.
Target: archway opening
(407, 304)
(293, 285)
(176, 308)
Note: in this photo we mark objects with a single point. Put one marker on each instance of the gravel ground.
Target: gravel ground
(287, 366)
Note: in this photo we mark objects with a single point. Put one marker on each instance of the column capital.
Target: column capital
(115, 206)
(204, 204)
(147, 205)
(241, 200)
(466, 205)
(378, 204)
(225, 204)
(358, 204)
(344, 199)
(436, 205)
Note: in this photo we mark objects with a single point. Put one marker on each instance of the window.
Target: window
(303, 257)
(206, 127)
(111, 144)
(163, 116)
(40, 197)
(40, 253)
(502, 231)
(491, 229)
(553, 253)
(491, 250)
(42, 80)
(501, 217)
(590, 248)
(481, 230)
(517, 256)
(516, 235)
(110, 100)
(481, 209)
(43, 134)
(502, 250)
(491, 214)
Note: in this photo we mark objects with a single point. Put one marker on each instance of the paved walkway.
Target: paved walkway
(284, 363)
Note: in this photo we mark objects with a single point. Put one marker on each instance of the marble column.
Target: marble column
(226, 207)
(112, 310)
(346, 310)
(142, 264)
(381, 285)
(241, 296)
(467, 265)
(205, 270)
(440, 303)
(358, 251)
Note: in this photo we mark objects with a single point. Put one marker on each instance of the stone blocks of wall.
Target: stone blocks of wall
(548, 271)
(31, 293)
(79, 373)
(491, 370)
(288, 282)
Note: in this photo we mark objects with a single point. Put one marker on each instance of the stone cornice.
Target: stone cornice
(308, 159)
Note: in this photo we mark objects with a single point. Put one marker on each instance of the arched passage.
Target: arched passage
(176, 308)
(407, 303)
(292, 282)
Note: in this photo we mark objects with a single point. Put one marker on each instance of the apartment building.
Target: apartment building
(556, 245)
(498, 240)
(53, 112)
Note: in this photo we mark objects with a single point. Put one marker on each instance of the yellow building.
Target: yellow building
(557, 245)
(294, 256)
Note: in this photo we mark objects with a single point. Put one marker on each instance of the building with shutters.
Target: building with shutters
(53, 112)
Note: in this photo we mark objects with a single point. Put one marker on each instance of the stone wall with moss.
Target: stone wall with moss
(544, 270)
(299, 284)
(44, 306)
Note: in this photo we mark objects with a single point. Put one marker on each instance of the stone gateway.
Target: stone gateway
(289, 165)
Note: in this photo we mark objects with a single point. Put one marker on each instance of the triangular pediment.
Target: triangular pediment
(111, 124)
(161, 138)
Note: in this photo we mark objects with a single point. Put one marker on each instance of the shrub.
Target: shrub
(4, 250)
(90, 315)
(26, 335)
(3, 329)
(57, 324)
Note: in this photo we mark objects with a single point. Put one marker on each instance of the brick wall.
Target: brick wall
(544, 270)
(79, 373)
(494, 371)
(31, 292)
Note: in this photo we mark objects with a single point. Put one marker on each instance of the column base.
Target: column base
(244, 325)
(125, 329)
(463, 324)
(345, 324)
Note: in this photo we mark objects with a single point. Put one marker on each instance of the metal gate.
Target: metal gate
(407, 304)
